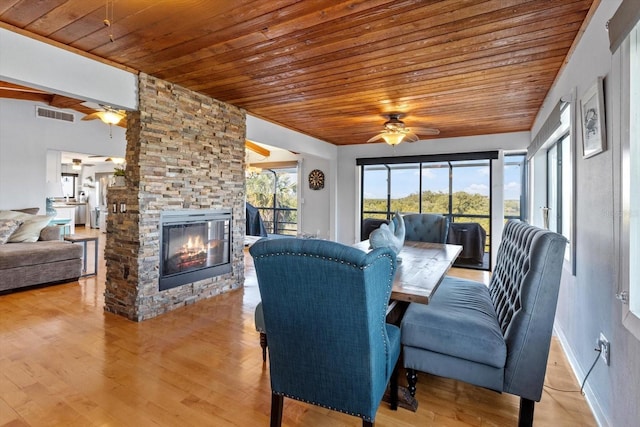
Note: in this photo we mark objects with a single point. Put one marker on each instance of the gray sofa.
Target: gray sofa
(47, 261)
(496, 337)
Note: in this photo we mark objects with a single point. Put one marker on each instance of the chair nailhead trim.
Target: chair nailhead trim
(341, 261)
(355, 414)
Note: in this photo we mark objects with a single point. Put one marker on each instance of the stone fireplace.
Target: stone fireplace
(185, 154)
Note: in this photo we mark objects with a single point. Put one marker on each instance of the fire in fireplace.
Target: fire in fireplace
(195, 245)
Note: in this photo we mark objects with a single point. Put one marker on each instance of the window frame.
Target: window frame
(562, 131)
(74, 182)
(277, 169)
(628, 291)
(562, 147)
(524, 185)
(420, 161)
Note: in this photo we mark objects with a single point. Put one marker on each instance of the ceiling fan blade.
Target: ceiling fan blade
(92, 116)
(411, 137)
(376, 138)
(426, 131)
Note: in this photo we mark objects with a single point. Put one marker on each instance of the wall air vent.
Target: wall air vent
(55, 114)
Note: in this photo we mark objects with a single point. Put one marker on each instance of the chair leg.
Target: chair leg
(525, 418)
(393, 387)
(263, 344)
(367, 423)
(276, 409)
(412, 380)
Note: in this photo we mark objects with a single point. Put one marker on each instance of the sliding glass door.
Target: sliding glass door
(457, 186)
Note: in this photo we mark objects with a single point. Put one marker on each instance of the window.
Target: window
(558, 181)
(274, 193)
(435, 195)
(457, 186)
(470, 196)
(515, 175)
(405, 187)
(69, 184)
(375, 192)
(629, 241)
(552, 179)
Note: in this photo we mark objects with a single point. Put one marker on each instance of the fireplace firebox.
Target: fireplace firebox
(195, 245)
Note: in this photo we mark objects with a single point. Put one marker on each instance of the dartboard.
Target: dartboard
(316, 179)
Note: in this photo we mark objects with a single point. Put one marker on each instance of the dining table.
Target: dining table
(421, 268)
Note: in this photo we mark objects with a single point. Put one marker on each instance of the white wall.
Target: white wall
(41, 65)
(25, 139)
(315, 204)
(587, 303)
(317, 207)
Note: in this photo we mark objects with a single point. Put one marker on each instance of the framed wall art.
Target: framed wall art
(594, 135)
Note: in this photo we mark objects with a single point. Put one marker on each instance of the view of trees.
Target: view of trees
(462, 203)
(260, 193)
(512, 208)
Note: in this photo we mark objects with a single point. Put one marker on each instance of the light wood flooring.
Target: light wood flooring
(65, 362)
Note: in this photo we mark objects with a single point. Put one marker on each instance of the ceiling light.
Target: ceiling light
(107, 115)
(77, 164)
(393, 138)
(110, 117)
(394, 131)
(117, 160)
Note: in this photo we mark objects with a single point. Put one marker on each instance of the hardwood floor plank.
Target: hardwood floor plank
(64, 361)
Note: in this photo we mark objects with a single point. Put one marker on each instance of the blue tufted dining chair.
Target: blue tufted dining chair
(426, 228)
(324, 307)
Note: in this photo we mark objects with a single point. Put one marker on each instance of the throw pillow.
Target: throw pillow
(30, 229)
(7, 227)
(31, 211)
(10, 215)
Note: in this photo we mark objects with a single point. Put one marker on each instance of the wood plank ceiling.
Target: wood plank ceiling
(331, 68)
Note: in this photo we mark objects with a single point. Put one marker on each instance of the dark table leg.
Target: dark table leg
(394, 316)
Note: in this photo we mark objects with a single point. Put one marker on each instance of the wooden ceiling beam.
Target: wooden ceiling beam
(250, 145)
(25, 96)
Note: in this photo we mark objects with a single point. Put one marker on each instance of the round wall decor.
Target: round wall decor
(316, 179)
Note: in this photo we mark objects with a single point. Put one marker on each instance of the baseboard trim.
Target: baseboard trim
(592, 401)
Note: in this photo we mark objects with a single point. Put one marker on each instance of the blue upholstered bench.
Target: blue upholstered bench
(496, 337)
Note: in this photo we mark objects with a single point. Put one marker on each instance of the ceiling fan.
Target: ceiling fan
(76, 164)
(108, 115)
(115, 160)
(395, 131)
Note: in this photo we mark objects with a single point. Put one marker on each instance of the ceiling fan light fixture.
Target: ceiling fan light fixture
(393, 138)
(110, 117)
(395, 131)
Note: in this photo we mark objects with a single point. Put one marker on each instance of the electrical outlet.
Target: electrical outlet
(605, 348)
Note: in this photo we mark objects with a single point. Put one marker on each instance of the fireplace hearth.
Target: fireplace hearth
(195, 245)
